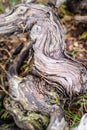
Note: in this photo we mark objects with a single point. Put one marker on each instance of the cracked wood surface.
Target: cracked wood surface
(51, 63)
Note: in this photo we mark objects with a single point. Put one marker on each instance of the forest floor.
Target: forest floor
(76, 47)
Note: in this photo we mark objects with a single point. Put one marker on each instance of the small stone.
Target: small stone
(76, 44)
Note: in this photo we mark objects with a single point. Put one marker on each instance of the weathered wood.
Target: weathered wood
(52, 68)
(50, 61)
(81, 19)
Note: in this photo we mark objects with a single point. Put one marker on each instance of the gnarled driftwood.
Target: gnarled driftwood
(52, 68)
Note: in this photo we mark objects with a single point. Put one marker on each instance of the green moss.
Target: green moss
(37, 120)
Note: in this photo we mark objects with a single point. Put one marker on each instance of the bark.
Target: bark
(52, 69)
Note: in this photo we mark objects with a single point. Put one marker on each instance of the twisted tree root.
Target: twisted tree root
(54, 69)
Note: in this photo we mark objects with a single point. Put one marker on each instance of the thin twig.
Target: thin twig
(2, 49)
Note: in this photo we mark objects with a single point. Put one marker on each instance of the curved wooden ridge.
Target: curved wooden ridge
(55, 69)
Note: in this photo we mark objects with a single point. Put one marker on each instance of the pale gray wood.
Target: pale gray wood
(58, 70)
